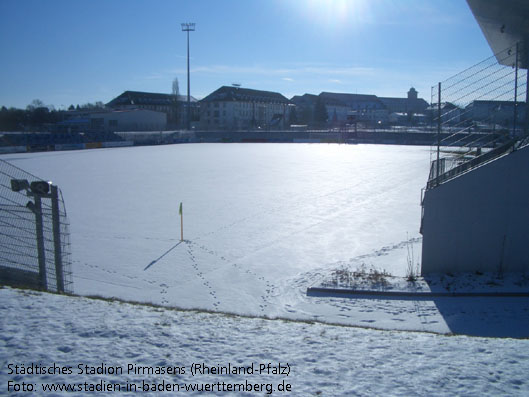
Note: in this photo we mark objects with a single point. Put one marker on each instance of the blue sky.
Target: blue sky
(73, 52)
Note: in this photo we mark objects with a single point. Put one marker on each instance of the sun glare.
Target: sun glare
(337, 13)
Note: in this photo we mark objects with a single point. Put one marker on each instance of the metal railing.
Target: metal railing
(479, 115)
(452, 167)
(35, 246)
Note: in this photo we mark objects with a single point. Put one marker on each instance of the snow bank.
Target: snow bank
(46, 329)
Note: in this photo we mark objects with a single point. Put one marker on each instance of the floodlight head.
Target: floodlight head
(31, 206)
(40, 187)
(188, 26)
(19, 184)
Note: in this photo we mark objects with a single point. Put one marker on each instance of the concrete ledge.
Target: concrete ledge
(342, 292)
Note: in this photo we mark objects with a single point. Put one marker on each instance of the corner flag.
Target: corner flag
(181, 223)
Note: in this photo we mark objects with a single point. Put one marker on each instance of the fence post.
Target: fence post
(40, 243)
(515, 92)
(526, 124)
(56, 225)
(438, 129)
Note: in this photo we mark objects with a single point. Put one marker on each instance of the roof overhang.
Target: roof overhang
(504, 23)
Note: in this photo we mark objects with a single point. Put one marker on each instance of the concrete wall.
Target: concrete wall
(479, 221)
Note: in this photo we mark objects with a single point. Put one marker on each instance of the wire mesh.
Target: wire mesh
(478, 110)
(20, 261)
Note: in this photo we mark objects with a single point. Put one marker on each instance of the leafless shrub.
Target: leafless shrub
(359, 277)
(412, 270)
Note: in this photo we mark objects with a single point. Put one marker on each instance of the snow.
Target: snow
(323, 359)
(262, 222)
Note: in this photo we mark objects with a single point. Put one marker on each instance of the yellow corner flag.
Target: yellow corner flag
(181, 223)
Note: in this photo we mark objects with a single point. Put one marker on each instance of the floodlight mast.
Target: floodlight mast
(188, 27)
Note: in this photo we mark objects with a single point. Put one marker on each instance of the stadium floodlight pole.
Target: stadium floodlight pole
(188, 27)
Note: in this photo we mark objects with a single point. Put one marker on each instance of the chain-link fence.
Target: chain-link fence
(480, 110)
(34, 232)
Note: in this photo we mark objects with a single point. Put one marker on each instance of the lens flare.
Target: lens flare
(337, 13)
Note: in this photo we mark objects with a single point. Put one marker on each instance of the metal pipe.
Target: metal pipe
(40, 243)
(438, 129)
(515, 93)
(55, 216)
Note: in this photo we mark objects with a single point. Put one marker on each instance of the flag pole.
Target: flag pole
(181, 223)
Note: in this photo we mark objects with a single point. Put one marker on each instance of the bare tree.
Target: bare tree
(35, 104)
(176, 87)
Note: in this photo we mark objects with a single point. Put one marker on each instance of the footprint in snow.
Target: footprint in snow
(65, 349)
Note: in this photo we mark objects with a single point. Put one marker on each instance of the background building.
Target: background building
(450, 113)
(175, 107)
(115, 120)
(409, 105)
(364, 108)
(237, 108)
(344, 108)
(495, 112)
(304, 105)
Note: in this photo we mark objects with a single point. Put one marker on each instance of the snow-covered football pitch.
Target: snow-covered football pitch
(261, 223)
